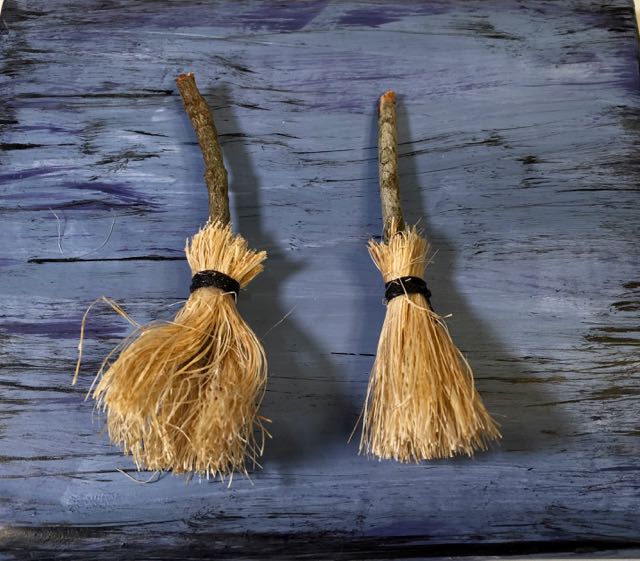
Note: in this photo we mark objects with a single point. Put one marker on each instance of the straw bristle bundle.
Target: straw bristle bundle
(421, 402)
(184, 395)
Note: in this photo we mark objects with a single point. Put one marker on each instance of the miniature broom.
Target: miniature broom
(183, 395)
(421, 402)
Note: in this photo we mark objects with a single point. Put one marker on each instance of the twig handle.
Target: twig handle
(215, 174)
(388, 166)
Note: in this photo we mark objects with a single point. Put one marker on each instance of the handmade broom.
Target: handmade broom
(421, 402)
(184, 395)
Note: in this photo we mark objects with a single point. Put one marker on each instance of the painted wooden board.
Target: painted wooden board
(519, 129)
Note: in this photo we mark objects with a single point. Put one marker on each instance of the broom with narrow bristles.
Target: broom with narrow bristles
(184, 395)
(421, 402)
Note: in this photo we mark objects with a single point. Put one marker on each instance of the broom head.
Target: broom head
(184, 395)
(421, 402)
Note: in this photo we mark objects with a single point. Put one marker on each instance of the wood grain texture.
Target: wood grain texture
(519, 125)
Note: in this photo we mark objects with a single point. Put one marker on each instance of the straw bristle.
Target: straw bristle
(421, 402)
(184, 395)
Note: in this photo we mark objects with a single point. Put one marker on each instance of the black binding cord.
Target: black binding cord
(406, 285)
(214, 279)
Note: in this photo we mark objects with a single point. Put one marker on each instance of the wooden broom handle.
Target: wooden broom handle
(388, 165)
(215, 174)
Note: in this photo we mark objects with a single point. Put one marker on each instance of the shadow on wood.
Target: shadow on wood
(304, 399)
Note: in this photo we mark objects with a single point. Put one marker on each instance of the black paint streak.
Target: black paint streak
(57, 541)
(102, 95)
(353, 354)
(251, 106)
(627, 305)
(41, 260)
(615, 392)
(18, 146)
(612, 340)
(125, 157)
(529, 160)
(145, 133)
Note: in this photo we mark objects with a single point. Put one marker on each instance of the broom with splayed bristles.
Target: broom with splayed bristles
(184, 395)
(421, 402)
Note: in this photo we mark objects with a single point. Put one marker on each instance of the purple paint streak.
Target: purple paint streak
(283, 17)
(380, 14)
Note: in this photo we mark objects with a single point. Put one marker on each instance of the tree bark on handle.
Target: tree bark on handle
(388, 166)
(215, 174)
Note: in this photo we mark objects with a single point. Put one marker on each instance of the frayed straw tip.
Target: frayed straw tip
(387, 97)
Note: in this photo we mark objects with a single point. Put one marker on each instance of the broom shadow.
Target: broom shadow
(304, 397)
(523, 428)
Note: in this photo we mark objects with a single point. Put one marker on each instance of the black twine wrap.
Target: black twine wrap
(406, 285)
(215, 279)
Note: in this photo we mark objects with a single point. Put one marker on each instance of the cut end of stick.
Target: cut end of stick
(388, 97)
(185, 76)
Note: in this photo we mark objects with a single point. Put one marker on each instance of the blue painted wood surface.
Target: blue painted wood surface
(519, 130)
